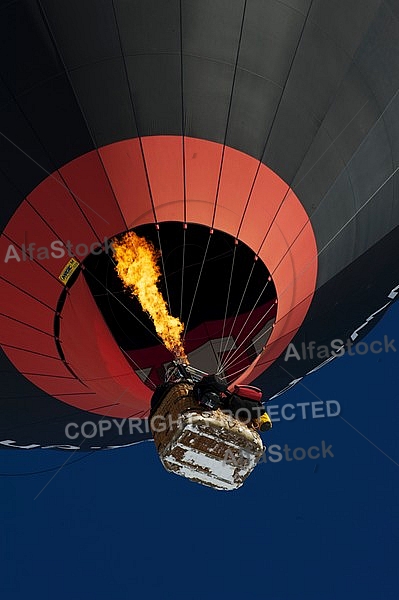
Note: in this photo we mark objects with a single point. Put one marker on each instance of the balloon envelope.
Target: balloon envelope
(260, 137)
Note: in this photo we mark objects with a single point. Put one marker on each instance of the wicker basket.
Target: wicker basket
(208, 447)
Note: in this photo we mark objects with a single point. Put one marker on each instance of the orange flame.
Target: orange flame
(136, 264)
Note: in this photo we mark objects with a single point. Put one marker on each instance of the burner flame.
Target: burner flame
(137, 267)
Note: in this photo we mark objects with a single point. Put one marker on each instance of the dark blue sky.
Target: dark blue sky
(117, 525)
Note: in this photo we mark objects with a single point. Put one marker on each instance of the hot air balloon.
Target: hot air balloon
(255, 143)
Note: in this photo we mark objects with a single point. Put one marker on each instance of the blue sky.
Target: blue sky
(117, 525)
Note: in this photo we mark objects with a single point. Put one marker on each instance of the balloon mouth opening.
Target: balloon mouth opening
(215, 284)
